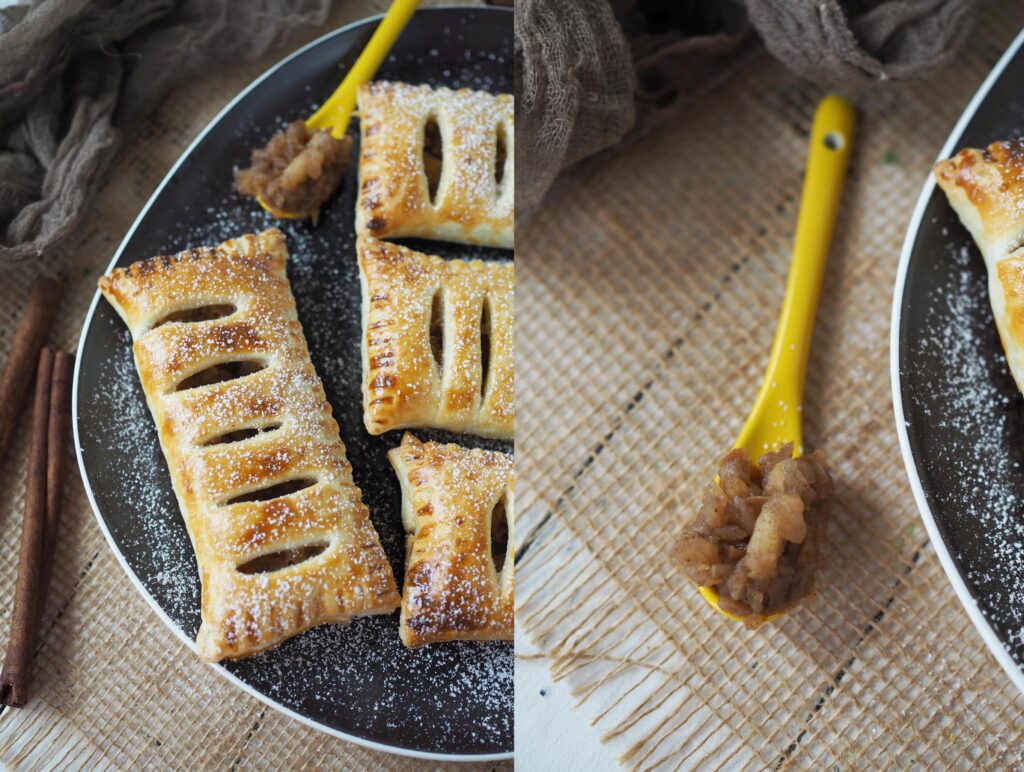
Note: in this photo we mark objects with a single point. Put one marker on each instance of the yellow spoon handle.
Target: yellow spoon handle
(827, 162)
(336, 111)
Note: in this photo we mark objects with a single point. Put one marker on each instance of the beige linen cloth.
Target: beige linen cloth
(115, 689)
(647, 296)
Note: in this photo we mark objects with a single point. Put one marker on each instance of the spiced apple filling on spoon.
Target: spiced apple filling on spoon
(759, 536)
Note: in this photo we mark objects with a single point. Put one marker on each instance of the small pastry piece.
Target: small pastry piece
(759, 536)
(986, 189)
(280, 532)
(437, 342)
(297, 171)
(459, 513)
(436, 164)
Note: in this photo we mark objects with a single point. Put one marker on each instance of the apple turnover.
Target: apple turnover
(986, 189)
(437, 342)
(459, 514)
(281, 535)
(436, 164)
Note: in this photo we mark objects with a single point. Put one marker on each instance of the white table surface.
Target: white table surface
(551, 733)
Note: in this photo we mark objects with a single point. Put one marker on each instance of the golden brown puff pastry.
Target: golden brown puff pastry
(454, 503)
(473, 169)
(272, 563)
(986, 189)
(437, 342)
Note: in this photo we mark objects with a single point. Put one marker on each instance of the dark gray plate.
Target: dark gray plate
(958, 412)
(357, 681)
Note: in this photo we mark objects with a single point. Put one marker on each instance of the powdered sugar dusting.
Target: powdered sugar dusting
(133, 435)
(972, 442)
(463, 676)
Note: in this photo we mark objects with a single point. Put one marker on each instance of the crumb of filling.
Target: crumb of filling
(298, 170)
(759, 535)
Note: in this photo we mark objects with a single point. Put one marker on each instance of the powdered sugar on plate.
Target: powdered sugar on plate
(967, 415)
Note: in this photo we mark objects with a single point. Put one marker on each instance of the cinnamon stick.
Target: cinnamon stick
(57, 454)
(17, 669)
(29, 337)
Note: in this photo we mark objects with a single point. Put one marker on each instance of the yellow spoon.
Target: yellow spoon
(776, 416)
(334, 114)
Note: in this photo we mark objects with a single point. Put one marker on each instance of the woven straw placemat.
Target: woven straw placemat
(114, 688)
(648, 294)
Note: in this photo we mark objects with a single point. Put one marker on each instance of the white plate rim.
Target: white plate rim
(1013, 670)
(178, 632)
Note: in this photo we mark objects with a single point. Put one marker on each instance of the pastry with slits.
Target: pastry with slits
(437, 342)
(986, 189)
(458, 509)
(281, 535)
(436, 164)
